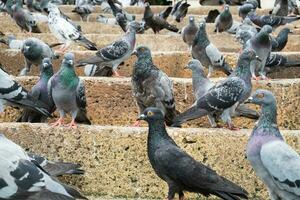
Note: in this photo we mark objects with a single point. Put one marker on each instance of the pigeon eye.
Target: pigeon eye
(150, 113)
(260, 95)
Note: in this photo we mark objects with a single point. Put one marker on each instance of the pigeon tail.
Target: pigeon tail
(244, 111)
(82, 118)
(31, 116)
(230, 196)
(287, 20)
(172, 28)
(87, 44)
(190, 114)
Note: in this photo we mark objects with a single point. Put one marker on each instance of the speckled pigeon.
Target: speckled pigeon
(189, 31)
(281, 40)
(151, 86)
(207, 53)
(39, 91)
(180, 10)
(12, 93)
(115, 53)
(68, 93)
(179, 169)
(65, 31)
(280, 8)
(20, 178)
(224, 21)
(273, 160)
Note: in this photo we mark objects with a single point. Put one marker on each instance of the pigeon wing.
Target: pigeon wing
(80, 95)
(214, 55)
(114, 51)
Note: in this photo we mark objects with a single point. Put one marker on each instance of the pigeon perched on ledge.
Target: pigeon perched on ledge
(179, 169)
(188, 32)
(224, 21)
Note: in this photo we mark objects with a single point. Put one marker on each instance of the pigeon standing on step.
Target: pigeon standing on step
(207, 53)
(280, 8)
(180, 10)
(155, 22)
(40, 92)
(34, 51)
(65, 31)
(12, 93)
(68, 93)
(281, 40)
(151, 86)
(273, 160)
(188, 32)
(180, 170)
(261, 44)
(115, 53)
(22, 178)
(83, 8)
(224, 21)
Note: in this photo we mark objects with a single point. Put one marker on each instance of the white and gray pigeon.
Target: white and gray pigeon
(152, 87)
(207, 53)
(68, 93)
(12, 93)
(115, 53)
(245, 32)
(261, 44)
(280, 8)
(224, 20)
(273, 160)
(83, 8)
(65, 31)
(21, 178)
(189, 31)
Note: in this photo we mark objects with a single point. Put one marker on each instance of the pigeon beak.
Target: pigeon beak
(134, 53)
(291, 31)
(142, 117)
(186, 67)
(249, 100)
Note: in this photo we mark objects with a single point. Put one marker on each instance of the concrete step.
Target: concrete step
(116, 163)
(110, 101)
(172, 63)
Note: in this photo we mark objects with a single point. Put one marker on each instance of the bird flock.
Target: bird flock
(24, 175)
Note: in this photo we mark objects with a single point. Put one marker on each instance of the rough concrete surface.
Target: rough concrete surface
(110, 101)
(116, 162)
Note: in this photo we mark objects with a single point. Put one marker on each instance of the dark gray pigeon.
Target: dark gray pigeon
(39, 91)
(225, 96)
(83, 8)
(68, 93)
(224, 21)
(207, 53)
(280, 8)
(281, 40)
(21, 178)
(188, 32)
(151, 86)
(180, 170)
(180, 10)
(12, 93)
(261, 44)
(34, 51)
(273, 160)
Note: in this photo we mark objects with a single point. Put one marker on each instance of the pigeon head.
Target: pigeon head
(267, 28)
(46, 67)
(286, 31)
(31, 49)
(191, 19)
(262, 97)
(194, 65)
(201, 35)
(244, 62)
(68, 59)
(226, 8)
(152, 114)
(134, 26)
(53, 9)
(142, 52)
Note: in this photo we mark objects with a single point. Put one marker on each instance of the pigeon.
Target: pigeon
(293, 7)
(124, 23)
(115, 9)
(273, 21)
(24, 19)
(151, 86)
(84, 9)
(179, 169)
(155, 22)
(180, 10)
(245, 9)
(115, 53)
(34, 51)
(207, 53)
(21, 178)
(213, 2)
(225, 96)
(273, 160)
(166, 12)
(12, 93)
(188, 32)
(12, 42)
(224, 21)
(245, 32)
(261, 44)
(65, 31)
(255, 3)
(68, 93)
(277, 60)
(40, 92)
(211, 16)
(234, 27)
(281, 8)
(281, 40)
(56, 168)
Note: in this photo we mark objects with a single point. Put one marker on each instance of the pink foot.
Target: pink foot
(116, 74)
(137, 123)
(72, 125)
(232, 127)
(59, 122)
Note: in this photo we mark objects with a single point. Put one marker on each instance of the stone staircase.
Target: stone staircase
(111, 151)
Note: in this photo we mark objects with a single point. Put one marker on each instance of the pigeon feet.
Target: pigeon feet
(137, 123)
(232, 127)
(72, 125)
(59, 122)
(116, 74)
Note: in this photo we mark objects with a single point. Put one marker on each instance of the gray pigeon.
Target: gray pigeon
(261, 44)
(281, 40)
(188, 32)
(180, 10)
(68, 93)
(12, 93)
(83, 8)
(224, 21)
(273, 160)
(21, 178)
(245, 32)
(115, 53)
(245, 9)
(39, 91)
(207, 53)
(34, 51)
(151, 86)
(225, 96)
(180, 170)
(65, 31)
(280, 8)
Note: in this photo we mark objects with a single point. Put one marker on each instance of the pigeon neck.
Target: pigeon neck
(268, 118)
(243, 70)
(262, 38)
(197, 77)
(201, 38)
(157, 131)
(67, 75)
(46, 76)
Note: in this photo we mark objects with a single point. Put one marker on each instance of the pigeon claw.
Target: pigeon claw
(137, 123)
(72, 125)
(59, 122)
(232, 127)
